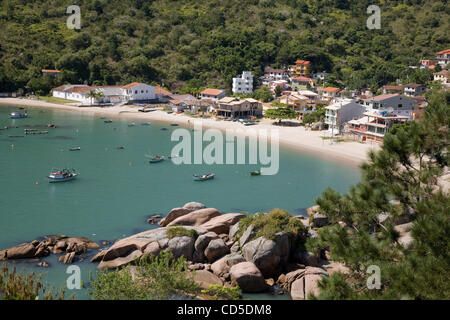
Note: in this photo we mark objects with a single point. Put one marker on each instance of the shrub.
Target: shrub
(173, 232)
(268, 225)
(222, 293)
(20, 286)
(160, 277)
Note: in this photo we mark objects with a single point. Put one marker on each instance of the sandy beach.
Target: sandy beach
(296, 138)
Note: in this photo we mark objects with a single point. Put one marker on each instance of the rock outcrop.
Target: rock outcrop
(196, 218)
(248, 277)
(221, 224)
(268, 255)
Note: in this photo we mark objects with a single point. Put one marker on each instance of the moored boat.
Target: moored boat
(203, 177)
(107, 121)
(155, 159)
(255, 173)
(75, 149)
(18, 115)
(62, 175)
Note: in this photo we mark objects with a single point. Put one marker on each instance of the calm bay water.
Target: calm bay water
(118, 189)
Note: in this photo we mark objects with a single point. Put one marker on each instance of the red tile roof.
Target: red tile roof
(50, 71)
(302, 62)
(383, 97)
(211, 92)
(131, 85)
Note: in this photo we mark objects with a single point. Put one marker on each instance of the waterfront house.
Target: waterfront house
(133, 92)
(393, 103)
(442, 77)
(443, 57)
(162, 95)
(212, 94)
(340, 112)
(178, 105)
(230, 107)
(413, 89)
(243, 84)
(139, 92)
(302, 68)
(374, 125)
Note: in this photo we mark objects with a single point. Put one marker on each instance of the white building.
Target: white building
(344, 110)
(413, 89)
(244, 83)
(110, 94)
(442, 77)
(139, 92)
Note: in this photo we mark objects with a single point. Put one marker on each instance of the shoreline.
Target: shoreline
(296, 139)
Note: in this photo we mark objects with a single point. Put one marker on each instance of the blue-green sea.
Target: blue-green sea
(118, 189)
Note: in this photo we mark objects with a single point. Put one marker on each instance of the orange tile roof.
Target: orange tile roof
(131, 85)
(50, 70)
(211, 92)
(302, 62)
(444, 51)
(303, 79)
(162, 91)
(330, 89)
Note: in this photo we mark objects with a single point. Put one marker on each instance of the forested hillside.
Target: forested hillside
(187, 44)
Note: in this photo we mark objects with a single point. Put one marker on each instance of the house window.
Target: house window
(142, 91)
(400, 105)
(135, 91)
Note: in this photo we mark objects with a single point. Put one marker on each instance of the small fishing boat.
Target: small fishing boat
(174, 124)
(75, 149)
(120, 148)
(255, 173)
(62, 175)
(18, 115)
(203, 177)
(50, 125)
(132, 124)
(107, 121)
(145, 123)
(163, 129)
(155, 159)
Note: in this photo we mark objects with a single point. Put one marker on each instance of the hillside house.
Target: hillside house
(413, 89)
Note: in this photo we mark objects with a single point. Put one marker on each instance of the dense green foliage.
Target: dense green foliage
(19, 286)
(173, 232)
(190, 44)
(269, 224)
(402, 177)
(280, 113)
(223, 293)
(157, 277)
(317, 115)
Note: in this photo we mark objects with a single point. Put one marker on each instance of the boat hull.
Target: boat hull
(203, 178)
(64, 179)
(155, 160)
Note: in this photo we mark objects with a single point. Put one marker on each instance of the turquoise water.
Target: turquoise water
(118, 189)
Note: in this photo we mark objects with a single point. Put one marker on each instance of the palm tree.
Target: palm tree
(92, 94)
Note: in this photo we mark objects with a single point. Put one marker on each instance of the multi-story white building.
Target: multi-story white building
(340, 112)
(413, 89)
(392, 103)
(244, 83)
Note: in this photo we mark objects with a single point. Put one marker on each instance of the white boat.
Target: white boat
(62, 175)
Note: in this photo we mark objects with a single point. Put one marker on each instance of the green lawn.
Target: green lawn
(56, 100)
